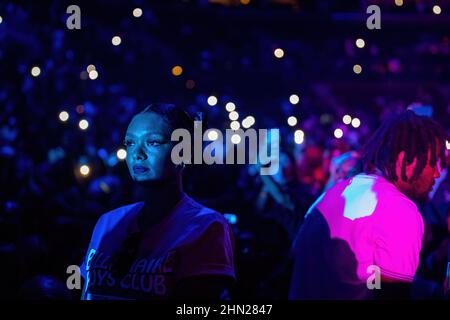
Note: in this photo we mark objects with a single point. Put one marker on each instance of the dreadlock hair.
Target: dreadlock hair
(415, 135)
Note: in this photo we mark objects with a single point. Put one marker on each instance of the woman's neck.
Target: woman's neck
(159, 200)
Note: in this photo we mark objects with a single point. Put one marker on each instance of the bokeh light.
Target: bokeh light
(294, 99)
(235, 125)
(84, 170)
(399, 2)
(437, 9)
(292, 121)
(356, 123)
(357, 69)
(177, 71)
(230, 106)
(347, 119)
(235, 138)
(137, 12)
(338, 133)
(279, 53)
(233, 116)
(121, 154)
(93, 75)
(90, 68)
(35, 71)
(299, 136)
(360, 43)
(83, 124)
(212, 135)
(212, 100)
(116, 40)
(63, 116)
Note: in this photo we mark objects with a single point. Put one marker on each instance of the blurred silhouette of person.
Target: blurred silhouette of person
(362, 238)
(167, 245)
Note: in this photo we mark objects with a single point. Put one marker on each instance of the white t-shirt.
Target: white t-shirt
(360, 222)
(192, 240)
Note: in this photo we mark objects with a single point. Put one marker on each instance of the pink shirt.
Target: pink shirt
(192, 240)
(359, 222)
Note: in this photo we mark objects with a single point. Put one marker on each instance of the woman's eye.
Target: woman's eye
(128, 143)
(153, 143)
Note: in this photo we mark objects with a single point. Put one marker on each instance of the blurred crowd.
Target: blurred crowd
(48, 208)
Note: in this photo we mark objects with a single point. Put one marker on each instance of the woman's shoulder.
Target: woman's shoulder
(199, 212)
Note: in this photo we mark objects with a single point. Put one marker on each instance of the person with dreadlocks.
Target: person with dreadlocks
(362, 238)
(166, 245)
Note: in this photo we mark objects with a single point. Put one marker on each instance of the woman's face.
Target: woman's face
(149, 148)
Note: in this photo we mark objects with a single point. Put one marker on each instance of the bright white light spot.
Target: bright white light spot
(90, 68)
(1, 19)
(35, 71)
(84, 170)
(233, 115)
(437, 9)
(212, 100)
(279, 53)
(346, 119)
(230, 106)
(447, 144)
(235, 138)
(121, 154)
(83, 124)
(294, 99)
(116, 40)
(360, 43)
(93, 75)
(292, 121)
(356, 122)
(235, 125)
(299, 136)
(338, 133)
(63, 116)
(357, 69)
(137, 12)
(399, 2)
(212, 135)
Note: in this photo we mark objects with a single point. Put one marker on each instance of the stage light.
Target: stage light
(294, 99)
(245, 2)
(116, 40)
(233, 115)
(137, 12)
(360, 43)
(35, 71)
(437, 9)
(338, 133)
(356, 123)
(357, 69)
(84, 170)
(347, 119)
(230, 106)
(1, 19)
(447, 144)
(292, 121)
(299, 136)
(279, 53)
(93, 75)
(90, 68)
(83, 124)
(212, 135)
(177, 71)
(63, 116)
(121, 154)
(399, 3)
(235, 138)
(212, 101)
(235, 125)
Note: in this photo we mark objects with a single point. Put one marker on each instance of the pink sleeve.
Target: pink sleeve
(211, 254)
(398, 241)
